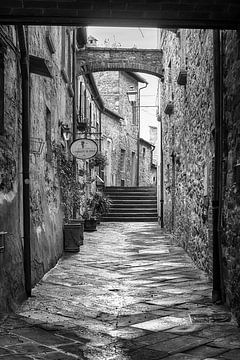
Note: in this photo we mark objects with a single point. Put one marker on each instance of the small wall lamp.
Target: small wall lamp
(132, 95)
(65, 131)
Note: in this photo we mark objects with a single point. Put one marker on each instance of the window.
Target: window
(50, 42)
(170, 89)
(134, 114)
(48, 135)
(80, 108)
(144, 152)
(69, 57)
(1, 92)
(63, 52)
(90, 114)
(85, 104)
(170, 72)
(183, 58)
(168, 173)
(122, 160)
(66, 64)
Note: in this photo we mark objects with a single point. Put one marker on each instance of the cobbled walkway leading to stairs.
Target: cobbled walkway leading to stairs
(130, 294)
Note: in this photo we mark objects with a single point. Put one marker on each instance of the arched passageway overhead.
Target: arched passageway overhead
(167, 13)
(118, 59)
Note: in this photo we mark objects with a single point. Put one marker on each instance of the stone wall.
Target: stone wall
(187, 114)
(231, 158)
(111, 128)
(51, 104)
(145, 163)
(11, 256)
(95, 59)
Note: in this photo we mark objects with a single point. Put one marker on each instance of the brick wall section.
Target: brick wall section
(187, 141)
(174, 13)
(103, 59)
(231, 157)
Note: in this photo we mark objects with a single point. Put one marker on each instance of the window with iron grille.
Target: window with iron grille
(122, 160)
(48, 135)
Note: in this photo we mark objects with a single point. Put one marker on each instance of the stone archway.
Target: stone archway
(97, 59)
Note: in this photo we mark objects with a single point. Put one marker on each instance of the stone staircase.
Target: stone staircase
(132, 204)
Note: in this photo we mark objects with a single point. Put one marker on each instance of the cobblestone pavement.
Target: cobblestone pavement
(130, 294)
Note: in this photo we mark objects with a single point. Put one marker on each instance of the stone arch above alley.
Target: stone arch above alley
(97, 59)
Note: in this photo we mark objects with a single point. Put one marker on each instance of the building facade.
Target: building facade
(187, 116)
(11, 256)
(199, 104)
(124, 143)
(50, 104)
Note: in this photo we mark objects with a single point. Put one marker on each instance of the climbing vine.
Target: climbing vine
(72, 194)
(7, 166)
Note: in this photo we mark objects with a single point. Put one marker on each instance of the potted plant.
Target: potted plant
(102, 204)
(90, 219)
(72, 199)
(98, 160)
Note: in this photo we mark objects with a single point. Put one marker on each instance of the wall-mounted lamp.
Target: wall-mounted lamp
(132, 95)
(65, 131)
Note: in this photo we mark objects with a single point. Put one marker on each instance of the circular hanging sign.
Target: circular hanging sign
(84, 148)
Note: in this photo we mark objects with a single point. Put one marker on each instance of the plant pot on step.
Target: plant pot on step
(73, 235)
(90, 224)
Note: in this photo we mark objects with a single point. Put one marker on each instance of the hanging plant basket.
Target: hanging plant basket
(98, 160)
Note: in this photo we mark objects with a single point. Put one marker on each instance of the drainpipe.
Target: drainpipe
(138, 136)
(217, 292)
(74, 80)
(100, 140)
(161, 176)
(74, 106)
(24, 62)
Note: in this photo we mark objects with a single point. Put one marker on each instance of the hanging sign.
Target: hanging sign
(84, 148)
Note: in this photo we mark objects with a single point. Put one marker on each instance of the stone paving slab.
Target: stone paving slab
(129, 294)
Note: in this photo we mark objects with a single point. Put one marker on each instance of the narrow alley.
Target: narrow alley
(129, 294)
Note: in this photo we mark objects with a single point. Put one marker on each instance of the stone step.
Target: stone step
(132, 196)
(134, 202)
(132, 214)
(133, 210)
(128, 219)
(133, 205)
(130, 188)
